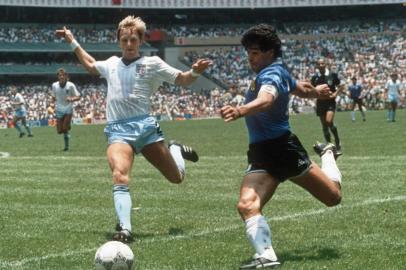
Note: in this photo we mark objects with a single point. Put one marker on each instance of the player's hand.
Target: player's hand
(324, 91)
(201, 65)
(65, 33)
(230, 113)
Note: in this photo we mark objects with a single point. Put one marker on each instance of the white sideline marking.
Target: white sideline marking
(11, 264)
(4, 154)
(202, 158)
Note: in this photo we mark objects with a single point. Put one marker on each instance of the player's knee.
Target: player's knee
(246, 207)
(120, 177)
(334, 199)
(175, 178)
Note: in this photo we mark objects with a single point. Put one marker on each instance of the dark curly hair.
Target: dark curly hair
(264, 36)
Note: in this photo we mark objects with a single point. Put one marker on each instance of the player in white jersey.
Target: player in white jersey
(392, 95)
(64, 93)
(131, 80)
(20, 114)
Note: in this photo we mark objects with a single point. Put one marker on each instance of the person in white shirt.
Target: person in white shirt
(131, 80)
(64, 93)
(20, 113)
(392, 95)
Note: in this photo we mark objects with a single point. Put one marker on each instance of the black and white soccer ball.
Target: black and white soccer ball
(114, 255)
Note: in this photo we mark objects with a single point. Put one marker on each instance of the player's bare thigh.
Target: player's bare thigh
(120, 157)
(319, 185)
(159, 156)
(255, 191)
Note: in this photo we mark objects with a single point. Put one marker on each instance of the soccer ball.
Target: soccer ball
(114, 255)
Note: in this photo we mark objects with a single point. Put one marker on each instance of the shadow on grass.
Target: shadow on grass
(310, 254)
(171, 232)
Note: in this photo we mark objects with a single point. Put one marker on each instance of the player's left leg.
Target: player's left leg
(325, 183)
(394, 105)
(360, 105)
(330, 123)
(170, 161)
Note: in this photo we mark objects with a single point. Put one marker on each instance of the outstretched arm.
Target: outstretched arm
(85, 59)
(307, 90)
(188, 77)
(263, 102)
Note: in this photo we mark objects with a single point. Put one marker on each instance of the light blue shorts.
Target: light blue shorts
(20, 113)
(137, 132)
(393, 99)
(61, 114)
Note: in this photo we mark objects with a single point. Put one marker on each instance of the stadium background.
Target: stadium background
(56, 207)
(366, 40)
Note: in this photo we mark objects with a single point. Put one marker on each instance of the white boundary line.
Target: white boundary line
(19, 263)
(4, 154)
(203, 157)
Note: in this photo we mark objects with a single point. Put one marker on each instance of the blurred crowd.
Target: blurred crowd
(369, 51)
(87, 33)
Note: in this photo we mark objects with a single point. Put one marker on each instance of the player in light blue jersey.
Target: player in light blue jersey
(131, 80)
(275, 154)
(20, 113)
(355, 93)
(392, 96)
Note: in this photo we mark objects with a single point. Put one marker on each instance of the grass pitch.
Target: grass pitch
(56, 208)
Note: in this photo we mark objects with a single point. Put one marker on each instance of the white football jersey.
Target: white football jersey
(393, 88)
(129, 88)
(61, 93)
(20, 99)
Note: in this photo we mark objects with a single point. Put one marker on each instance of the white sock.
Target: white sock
(177, 156)
(259, 234)
(329, 166)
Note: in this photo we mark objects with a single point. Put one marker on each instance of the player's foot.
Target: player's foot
(118, 227)
(364, 119)
(30, 135)
(260, 262)
(65, 149)
(322, 148)
(187, 152)
(22, 134)
(124, 236)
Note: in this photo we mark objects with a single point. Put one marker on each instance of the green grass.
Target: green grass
(56, 208)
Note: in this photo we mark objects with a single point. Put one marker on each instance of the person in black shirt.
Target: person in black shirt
(325, 108)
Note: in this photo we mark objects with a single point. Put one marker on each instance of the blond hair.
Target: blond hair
(132, 22)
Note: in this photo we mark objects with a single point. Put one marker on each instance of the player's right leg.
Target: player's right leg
(27, 127)
(256, 190)
(120, 157)
(17, 125)
(353, 111)
(66, 125)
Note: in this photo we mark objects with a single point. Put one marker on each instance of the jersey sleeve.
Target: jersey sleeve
(103, 67)
(74, 91)
(278, 82)
(164, 71)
